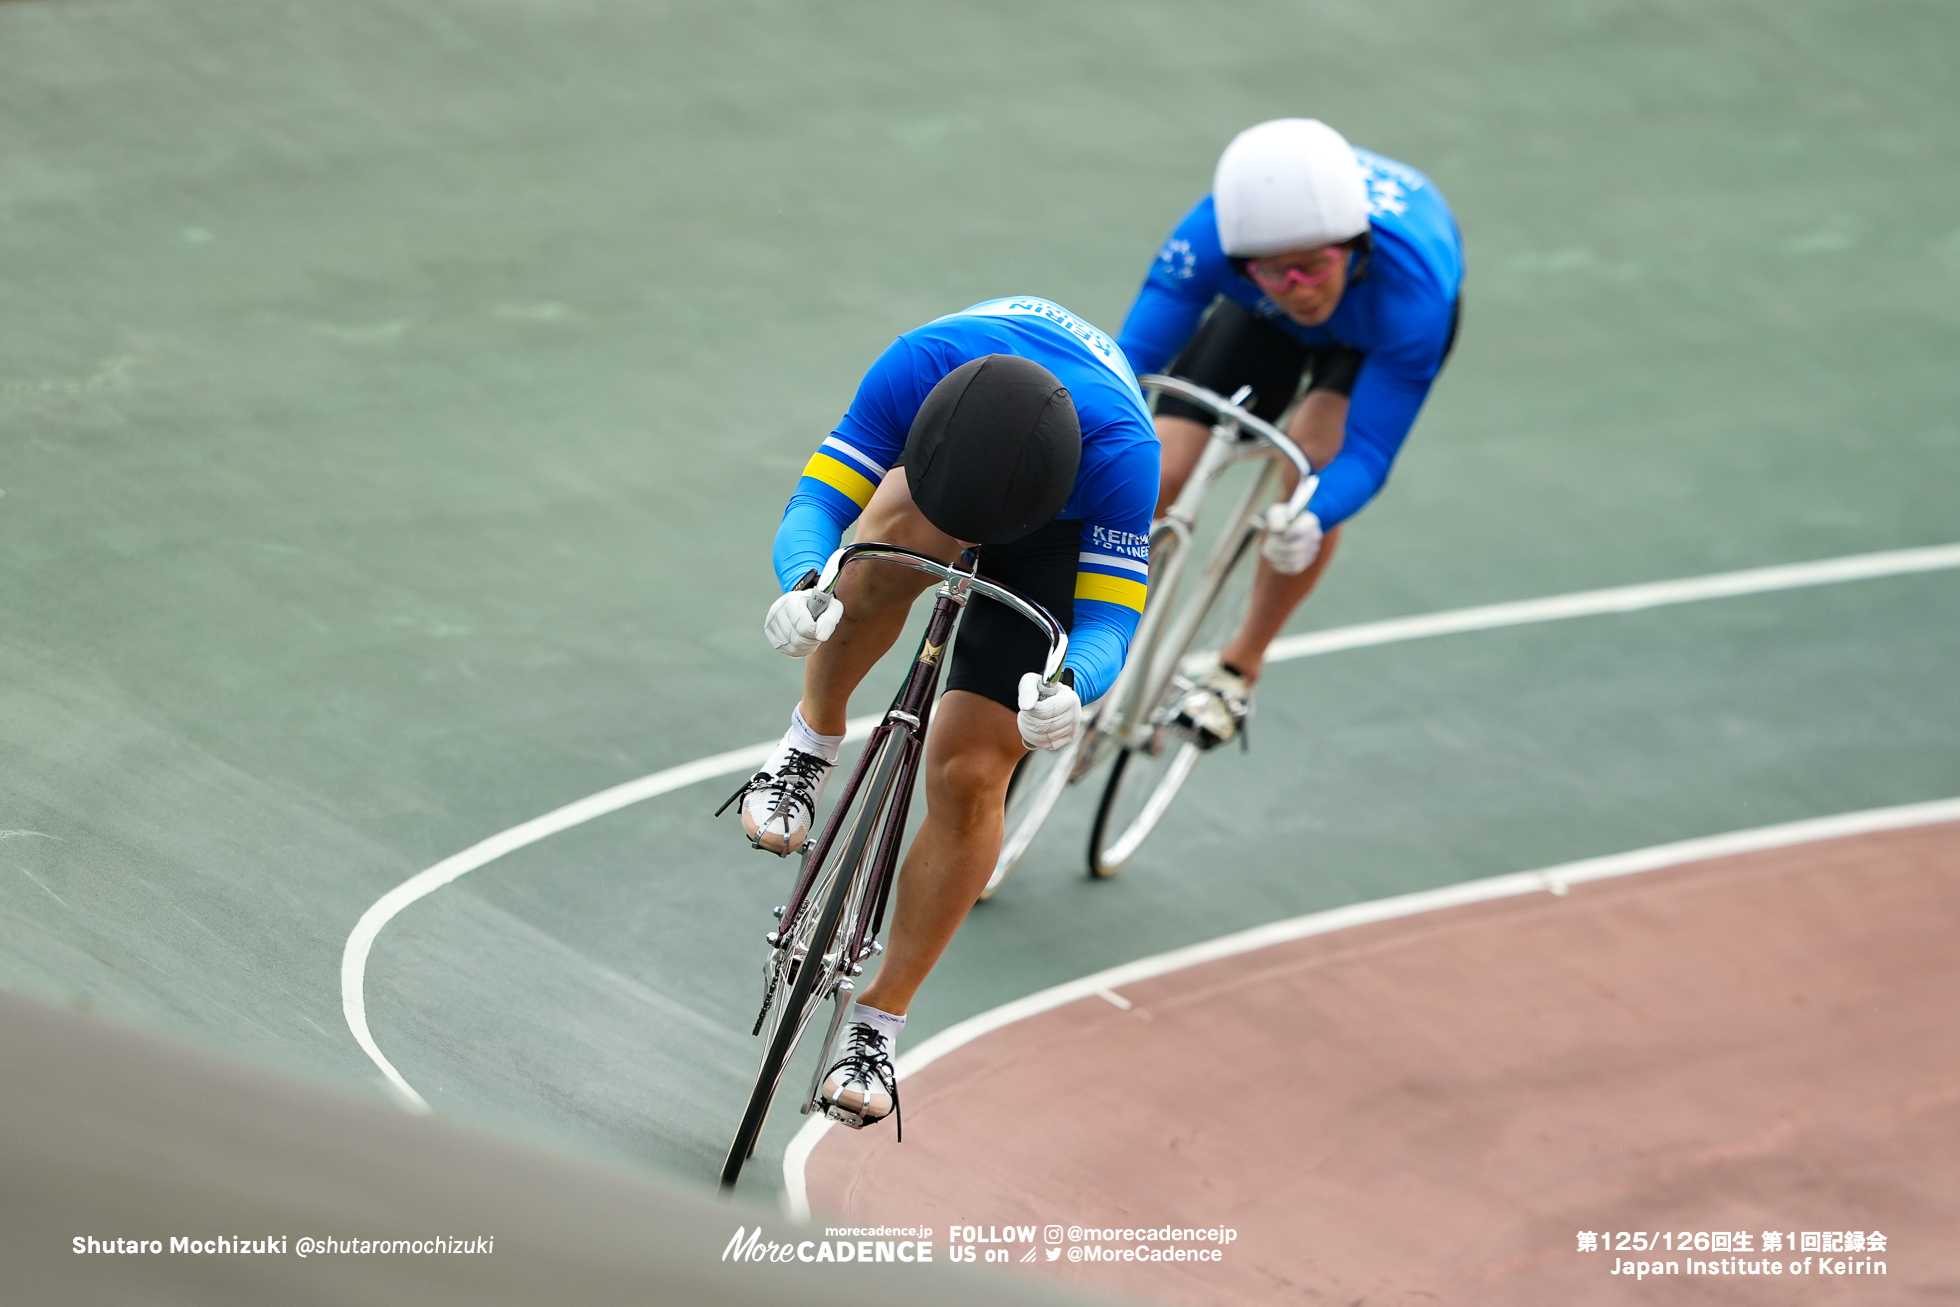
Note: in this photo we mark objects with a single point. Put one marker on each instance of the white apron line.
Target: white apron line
(1621, 599)
(796, 1199)
(353, 961)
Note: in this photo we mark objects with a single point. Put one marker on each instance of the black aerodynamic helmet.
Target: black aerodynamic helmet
(994, 450)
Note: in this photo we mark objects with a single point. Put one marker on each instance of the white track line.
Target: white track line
(796, 1198)
(1621, 599)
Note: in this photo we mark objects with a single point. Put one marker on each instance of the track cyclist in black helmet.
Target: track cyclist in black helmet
(1316, 264)
(1018, 428)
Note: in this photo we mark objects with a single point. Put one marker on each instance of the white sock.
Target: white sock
(883, 1022)
(802, 737)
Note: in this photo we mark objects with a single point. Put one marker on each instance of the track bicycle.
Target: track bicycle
(829, 928)
(1136, 721)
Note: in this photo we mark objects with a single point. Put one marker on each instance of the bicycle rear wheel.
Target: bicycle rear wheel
(810, 953)
(1141, 788)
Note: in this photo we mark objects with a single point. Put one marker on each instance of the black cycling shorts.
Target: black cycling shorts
(997, 645)
(1236, 347)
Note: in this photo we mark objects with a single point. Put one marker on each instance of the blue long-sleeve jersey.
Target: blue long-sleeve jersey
(1115, 486)
(1399, 315)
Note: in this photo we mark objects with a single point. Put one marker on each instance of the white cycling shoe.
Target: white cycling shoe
(862, 1087)
(1216, 707)
(779, 803)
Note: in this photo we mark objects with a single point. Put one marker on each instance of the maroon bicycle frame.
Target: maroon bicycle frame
(909, 716)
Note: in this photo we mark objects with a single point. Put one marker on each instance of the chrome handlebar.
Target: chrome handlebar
(958, 586)
(1231, 413)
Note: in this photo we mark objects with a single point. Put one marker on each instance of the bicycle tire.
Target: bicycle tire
(1141, 788)
(790, 1025)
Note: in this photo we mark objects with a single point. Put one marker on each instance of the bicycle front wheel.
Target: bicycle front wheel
(1158, 757)
(1141, 788)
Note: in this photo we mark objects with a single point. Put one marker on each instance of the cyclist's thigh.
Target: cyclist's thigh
(974, 748)
(997, 645)
(1235, 347)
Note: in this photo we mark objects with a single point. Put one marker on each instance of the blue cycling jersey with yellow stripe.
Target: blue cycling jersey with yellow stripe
(1115, 487)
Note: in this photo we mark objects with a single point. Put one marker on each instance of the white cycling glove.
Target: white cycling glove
(801, 620)
(1291, 545)
(1050, 722)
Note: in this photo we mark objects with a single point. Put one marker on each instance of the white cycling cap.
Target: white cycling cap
(1288, 184)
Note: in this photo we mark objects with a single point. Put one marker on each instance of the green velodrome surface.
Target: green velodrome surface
(397, 399)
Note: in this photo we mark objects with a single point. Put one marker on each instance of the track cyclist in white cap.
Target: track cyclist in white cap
(1323, 266)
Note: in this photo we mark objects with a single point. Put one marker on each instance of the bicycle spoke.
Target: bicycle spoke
(1141, 789)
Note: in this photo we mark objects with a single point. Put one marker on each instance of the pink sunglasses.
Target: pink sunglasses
(1291, 276)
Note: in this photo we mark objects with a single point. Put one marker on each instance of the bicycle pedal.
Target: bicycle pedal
(851, 1119)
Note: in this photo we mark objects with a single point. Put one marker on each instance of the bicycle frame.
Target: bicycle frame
(1157, 652)
(911, 710)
